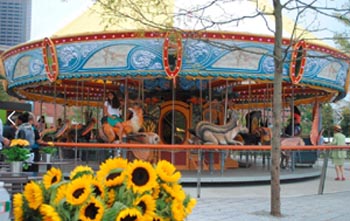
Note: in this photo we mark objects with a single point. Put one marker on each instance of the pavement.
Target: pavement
(234, 200)
(299, 200)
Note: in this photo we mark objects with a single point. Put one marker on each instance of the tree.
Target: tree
(327, 120)
(201, 16)
(342, 39)
(3, 94)
(345, 124)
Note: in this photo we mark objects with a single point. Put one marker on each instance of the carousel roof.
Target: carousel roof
(78, 68)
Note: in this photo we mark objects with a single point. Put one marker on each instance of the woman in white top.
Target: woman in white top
(112, 109)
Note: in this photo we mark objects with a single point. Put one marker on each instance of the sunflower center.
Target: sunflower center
(54, 179)
(97, 191)
(78, 192)
(111, 176)
(140, 176)
(143, 206)
(91, 211)
(129, 218)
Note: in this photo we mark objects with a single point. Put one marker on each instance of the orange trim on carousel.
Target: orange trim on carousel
(170, 147)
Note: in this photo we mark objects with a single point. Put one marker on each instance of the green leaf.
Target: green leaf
(111, 213)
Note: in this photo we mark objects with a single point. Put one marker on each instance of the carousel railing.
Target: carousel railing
(202, 148)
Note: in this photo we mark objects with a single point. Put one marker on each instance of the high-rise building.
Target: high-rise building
(15, 21)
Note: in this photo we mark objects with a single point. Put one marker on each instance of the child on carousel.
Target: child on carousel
(112, 111)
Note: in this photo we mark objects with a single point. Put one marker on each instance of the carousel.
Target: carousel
(179, 77)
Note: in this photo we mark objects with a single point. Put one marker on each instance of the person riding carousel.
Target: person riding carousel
(285, 155)
(112, 113)
(297, 124)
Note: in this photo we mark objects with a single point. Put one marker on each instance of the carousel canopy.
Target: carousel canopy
(77, 66)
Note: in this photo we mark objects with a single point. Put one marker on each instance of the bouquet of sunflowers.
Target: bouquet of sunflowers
(17, 151)
(119, 190)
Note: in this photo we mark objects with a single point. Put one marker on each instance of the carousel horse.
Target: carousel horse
(143, 138)
(56, 134)
(82, 132)
(289, 141)
(209, 133)
(133, 125)
(259, 133)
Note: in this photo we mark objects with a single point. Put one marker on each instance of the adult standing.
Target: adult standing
(338, 156)
(3, 140)
(25, 130)
(35, 147)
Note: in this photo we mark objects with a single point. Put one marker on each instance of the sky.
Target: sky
(48, 16)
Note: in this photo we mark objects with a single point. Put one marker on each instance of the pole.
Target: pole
(323, 173)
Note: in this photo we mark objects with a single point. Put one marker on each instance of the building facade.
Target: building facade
(15, 21)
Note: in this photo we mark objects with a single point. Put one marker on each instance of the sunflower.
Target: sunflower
(129, 214)
(111, 197)
(178, 210)
(92, 211)
(61, 193)
(175, 191)
(51, 177)
(141, 176)
(157, 218)
(79, 171)
(49, 213)
(156, 192)
(147, 205)
(78, 191)
(112, 172)
(19, 142)
(33, 194)
(190, 205)
(98, 188)
(17, 207)
(167, 172)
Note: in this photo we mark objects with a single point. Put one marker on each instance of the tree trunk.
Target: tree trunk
(276, 112)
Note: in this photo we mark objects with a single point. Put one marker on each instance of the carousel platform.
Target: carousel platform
(255, 172)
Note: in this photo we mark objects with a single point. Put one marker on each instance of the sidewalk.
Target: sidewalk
(299, 201)
(331, 206)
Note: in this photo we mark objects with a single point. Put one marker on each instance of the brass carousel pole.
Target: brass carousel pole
(173, 119)
(55, 104)
(65, 103)
(223, 152)
(103, 103)
(211, 153)
(76, 149)
(199, 150)
(126, 98)
(293, 126)
(41, 101)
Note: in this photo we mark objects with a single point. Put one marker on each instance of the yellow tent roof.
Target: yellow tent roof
(92, 20)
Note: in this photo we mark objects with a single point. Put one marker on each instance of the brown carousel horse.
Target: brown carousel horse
(56, 134)
(132, 125)
(135, 130)
(259, 134)
(68, 133)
